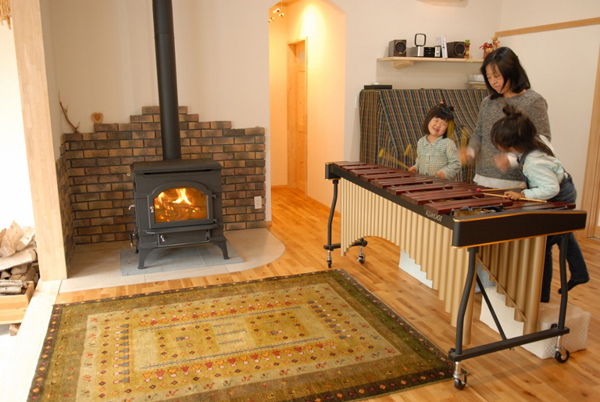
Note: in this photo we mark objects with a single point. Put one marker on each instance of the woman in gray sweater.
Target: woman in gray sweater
(507, 83)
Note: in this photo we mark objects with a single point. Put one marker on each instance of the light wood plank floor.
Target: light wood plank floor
(509, 375)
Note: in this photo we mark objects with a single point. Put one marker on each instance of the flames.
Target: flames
(180, 204)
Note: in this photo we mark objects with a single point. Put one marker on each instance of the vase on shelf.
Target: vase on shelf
(487, 51)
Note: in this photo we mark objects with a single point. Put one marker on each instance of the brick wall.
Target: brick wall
(66, 212)
(95, 168)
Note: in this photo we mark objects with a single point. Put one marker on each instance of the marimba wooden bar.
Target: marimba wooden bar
(446, 227)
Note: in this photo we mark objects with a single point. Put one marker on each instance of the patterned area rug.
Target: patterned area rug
(310, 337)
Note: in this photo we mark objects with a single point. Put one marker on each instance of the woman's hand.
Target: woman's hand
(412, 169)
(441, 175)
(513, 195)
(464, 156)
(502, 162)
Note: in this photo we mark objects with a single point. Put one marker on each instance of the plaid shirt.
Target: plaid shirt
(435, 156)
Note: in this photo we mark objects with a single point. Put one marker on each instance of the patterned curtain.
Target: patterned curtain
(391, 123)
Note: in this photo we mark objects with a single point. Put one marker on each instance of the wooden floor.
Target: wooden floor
(509, 375)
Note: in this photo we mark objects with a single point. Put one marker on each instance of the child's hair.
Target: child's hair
(509, 67)
(441, 111)
(516, 130)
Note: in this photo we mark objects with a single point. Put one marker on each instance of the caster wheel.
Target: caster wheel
(460, 385)
(361, 259)
(560, 358)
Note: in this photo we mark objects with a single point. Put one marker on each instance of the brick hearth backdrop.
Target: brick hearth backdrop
(96, 186)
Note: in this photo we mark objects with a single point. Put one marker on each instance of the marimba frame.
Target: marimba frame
(458, 354)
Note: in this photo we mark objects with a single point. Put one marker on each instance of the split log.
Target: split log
(11, 239)
(26, 239)
(11, 290)
(30, 274)
(12, 287)
(20, 257)
(14, 329)
(13, 283)
(19, 269)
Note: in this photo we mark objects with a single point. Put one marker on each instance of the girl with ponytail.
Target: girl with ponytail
(545, 179)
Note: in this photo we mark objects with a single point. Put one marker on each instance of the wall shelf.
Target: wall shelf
(401, 62)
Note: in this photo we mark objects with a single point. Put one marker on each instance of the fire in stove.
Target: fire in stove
(180, 204)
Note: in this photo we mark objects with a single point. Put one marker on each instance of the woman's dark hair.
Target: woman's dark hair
(441, 111)
(517, 131)
(509, 67)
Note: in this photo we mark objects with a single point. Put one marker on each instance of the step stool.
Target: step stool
(577, 320)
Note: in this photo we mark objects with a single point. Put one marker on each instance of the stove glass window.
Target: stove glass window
(180, 204)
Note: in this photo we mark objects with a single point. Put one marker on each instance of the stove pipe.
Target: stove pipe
(164, 40)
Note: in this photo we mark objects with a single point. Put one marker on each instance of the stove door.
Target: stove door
(179, 204)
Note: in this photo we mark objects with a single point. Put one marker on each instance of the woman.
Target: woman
(507, 83)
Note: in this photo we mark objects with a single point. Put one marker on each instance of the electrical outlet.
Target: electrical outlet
(257, 202)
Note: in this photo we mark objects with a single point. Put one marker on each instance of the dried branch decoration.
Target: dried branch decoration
(65, 111)
(5, 14)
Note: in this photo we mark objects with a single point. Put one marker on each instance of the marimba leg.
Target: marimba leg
(561, 354)
(329, 247)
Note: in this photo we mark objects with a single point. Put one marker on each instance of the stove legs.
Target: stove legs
(223, 246)
(143, 254)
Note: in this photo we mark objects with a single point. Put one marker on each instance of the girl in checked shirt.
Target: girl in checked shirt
(436, 154)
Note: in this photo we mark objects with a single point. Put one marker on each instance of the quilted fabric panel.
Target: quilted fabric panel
(391, 122)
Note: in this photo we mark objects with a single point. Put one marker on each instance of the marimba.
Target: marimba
(446, 227)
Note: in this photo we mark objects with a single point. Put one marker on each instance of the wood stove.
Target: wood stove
(177, 203)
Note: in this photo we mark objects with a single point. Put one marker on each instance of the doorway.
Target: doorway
(307, 53)
(296, 111)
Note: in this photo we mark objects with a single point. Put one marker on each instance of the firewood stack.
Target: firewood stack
(18, 259)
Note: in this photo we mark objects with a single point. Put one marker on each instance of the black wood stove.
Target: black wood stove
(177, 202)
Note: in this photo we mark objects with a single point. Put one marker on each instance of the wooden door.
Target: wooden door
(297, 144)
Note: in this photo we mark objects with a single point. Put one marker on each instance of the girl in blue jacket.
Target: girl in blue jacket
(546, 179)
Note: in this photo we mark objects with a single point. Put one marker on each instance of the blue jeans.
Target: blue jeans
(576, 263)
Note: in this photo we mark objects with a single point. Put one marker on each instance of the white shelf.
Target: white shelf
(401, 62)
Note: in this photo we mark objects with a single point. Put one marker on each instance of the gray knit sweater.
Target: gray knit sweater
(530, 102)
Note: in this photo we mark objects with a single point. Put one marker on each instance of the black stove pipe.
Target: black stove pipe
(164, 40)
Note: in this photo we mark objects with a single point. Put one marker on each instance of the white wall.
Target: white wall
(370, 27)
(15, 202)
(104, 59)
(103, 56)
(366, 28)
(278, 48)
(326, 34)
(223, 63)
(561, 66)
(101, 59)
